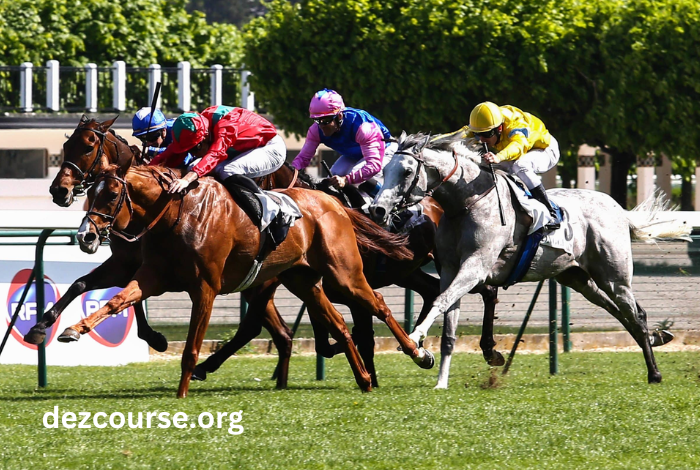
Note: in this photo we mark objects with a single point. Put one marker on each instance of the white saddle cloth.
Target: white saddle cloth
(541, 217)
(273, 203)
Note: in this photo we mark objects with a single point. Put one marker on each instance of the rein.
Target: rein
(418, 156)
(124, 196)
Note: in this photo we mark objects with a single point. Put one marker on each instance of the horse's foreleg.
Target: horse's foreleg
(202, 303)
(110, 273)
(427, 286)
(453, 288)
(310, 291)
(146, 283)
(447, 345)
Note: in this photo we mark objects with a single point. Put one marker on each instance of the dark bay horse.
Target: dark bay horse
(205, 244)
(404, 273)
(91, 148)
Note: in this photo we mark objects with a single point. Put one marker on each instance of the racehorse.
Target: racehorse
(404, 273)
(476, 249)
(91, 148)
(205, 244)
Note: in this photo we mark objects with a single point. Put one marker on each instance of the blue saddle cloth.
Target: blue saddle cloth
(528, 249)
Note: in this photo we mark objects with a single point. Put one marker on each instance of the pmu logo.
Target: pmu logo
(111, 332)
(27, 312)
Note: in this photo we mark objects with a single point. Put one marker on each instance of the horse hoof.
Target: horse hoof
(655, 378)
(35, 336)
(199, 373)
(425, 362)
(660, 337)
(158, 342)
(496, 359)
(69, 335)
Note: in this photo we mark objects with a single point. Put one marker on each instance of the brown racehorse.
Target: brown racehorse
(404, 273)
(205, 244)
(90, 149)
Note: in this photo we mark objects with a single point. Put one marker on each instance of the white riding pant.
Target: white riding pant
(254, 163)
(346, 165)
(533, 162)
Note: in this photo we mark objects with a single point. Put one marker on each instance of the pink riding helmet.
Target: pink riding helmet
(325, 103)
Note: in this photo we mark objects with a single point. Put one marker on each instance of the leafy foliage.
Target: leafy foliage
(139, 32)
(611, 73)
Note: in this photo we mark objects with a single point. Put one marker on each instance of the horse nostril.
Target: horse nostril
(59, 192)
(89, 237)
(378, 213)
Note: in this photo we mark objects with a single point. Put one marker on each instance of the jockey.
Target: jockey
(156, 132)
(360, 138)
(232, 144)
(522, 143)
(225, 141)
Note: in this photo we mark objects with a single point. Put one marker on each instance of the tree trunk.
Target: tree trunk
(621, 164)
(686, 194)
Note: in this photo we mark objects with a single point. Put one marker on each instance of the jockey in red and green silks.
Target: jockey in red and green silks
(225, 141)
(360, 138)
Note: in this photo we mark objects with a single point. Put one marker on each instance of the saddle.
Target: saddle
(244, 191)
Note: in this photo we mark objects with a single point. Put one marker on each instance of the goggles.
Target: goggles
(325, 120)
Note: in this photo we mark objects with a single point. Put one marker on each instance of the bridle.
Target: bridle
(124, 197)
(87, 178)
(417, 154)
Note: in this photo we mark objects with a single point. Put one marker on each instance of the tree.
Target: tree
(610, 73)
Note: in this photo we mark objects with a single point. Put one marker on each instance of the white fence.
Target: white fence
(119, 83)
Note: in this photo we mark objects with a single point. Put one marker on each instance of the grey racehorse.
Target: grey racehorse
(475, 248)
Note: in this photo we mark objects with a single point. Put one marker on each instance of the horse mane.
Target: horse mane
(371, 238)
(458, 142)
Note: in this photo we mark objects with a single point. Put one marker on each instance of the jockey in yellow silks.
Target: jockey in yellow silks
(517, 143)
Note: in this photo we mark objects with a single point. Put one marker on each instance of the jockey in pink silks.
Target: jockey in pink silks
(360, 138)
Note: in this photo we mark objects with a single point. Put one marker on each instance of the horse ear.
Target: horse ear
(84, 119)
(107, 124)
(402, 137)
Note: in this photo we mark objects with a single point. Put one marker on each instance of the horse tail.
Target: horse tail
(371, 238)
(650, 220)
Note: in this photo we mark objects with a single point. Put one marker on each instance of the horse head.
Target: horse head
(118, 197)
(421, 165)
(89, 150)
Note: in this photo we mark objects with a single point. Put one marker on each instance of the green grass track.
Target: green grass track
(597, 413)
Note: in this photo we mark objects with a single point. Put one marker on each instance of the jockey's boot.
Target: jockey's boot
(540, 194)
(244, 198)
(243, 190)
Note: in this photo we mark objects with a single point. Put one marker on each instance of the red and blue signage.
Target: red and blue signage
(113, 331)
(27, 313)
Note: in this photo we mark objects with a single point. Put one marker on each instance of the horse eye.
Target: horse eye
(112, 195)
(409, 171)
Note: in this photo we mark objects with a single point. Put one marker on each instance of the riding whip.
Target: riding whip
(495, 183)
(345, 198)
(150, 118)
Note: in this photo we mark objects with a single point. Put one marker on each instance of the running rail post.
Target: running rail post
(519, 336)
(408, 311)
(566, 317)
(40, 301)
(553, 366)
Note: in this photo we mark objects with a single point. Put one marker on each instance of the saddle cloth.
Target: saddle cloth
(541, 217)
(274, 203)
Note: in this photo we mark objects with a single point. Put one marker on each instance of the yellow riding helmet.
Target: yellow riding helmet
(484, 117)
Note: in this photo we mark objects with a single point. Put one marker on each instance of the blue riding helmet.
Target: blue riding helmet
(140, 121)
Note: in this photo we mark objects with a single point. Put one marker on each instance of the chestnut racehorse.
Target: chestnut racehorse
(89, 150)
(205, 244)
(404, 273)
